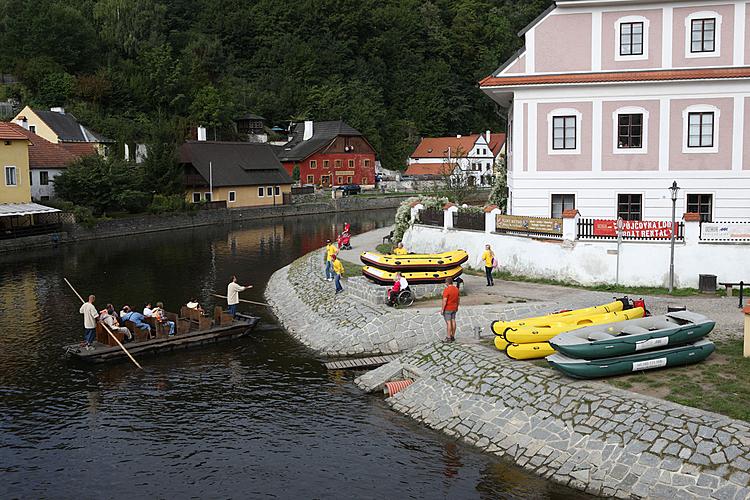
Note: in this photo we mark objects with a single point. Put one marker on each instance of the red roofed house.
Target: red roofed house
(47, 161)
(329, 154)
(472, 155)
(609, 102)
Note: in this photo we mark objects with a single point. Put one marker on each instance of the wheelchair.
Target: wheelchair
(405, 298)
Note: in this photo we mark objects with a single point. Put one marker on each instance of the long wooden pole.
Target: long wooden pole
(106, 328)
(243, 300)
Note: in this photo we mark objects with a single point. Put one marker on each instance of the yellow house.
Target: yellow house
(59, 127)
(14, 161)
(243, 174)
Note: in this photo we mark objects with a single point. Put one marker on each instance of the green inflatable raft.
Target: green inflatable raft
(606, 367)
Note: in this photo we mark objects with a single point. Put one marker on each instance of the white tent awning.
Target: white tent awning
(19, 209)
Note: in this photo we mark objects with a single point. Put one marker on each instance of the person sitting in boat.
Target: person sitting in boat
(148, 311)
(400, 250)
(109, 318)
(193, 304)
(137, 318)
(160, 315)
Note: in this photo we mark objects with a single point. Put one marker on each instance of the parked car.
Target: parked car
(349, 189)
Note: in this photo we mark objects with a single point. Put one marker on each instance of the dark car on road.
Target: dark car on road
(349, 189)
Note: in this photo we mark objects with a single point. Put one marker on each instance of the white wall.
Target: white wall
(37, 190)
(642, 263)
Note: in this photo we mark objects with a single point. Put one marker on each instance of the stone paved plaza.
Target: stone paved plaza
(584, 434)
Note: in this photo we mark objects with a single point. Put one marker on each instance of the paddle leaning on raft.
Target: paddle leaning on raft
(193, 329)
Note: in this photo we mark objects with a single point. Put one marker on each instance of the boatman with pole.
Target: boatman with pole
(90, 315)
(233, 295)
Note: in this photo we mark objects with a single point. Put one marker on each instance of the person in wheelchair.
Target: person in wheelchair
(400, 285)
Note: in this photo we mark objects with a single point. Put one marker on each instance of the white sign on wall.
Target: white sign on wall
(725, 231)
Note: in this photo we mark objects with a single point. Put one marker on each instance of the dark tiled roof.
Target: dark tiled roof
(235, 163)
(617, 76)
(44, 154)
(323, 134)
(67, 127)
(250, 116)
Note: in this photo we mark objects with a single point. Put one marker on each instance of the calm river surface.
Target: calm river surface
(257, 417)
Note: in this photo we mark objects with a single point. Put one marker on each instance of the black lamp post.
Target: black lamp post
(673, 189)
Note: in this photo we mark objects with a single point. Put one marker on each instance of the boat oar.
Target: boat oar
(243, 300)
(106, 328)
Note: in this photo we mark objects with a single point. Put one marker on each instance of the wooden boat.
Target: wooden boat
(648, 360)
(628, 337)
(500, 327)
(543, 333)
(415, 262)
(192, 329)
(382, 277)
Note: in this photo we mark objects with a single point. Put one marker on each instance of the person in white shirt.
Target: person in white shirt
(90, 316)
(233, 295)
(403, 282)
(147, 311)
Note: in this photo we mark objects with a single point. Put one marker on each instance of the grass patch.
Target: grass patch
(384, 248)
(631, 290)
(720, 384)
(351, 269)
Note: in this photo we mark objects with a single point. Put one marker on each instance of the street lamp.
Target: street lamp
(673, 191)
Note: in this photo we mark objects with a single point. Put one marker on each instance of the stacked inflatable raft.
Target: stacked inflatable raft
(416, 268)
(606, 340)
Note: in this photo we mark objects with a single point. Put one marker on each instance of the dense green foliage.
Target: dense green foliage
(137, 70)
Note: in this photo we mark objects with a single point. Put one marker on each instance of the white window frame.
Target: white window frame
(700, 108)
(208, 196)
(631, 19)
(15, 176)
(232, 196)
(261, 191)
(565, 193)
(269, 188)
(277, 190)
(704, 14)
(199, 196)
(629, 110)
(579, 120)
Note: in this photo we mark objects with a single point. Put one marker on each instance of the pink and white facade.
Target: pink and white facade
(609, 101)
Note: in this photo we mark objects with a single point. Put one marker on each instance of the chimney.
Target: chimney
(22, 121)
(487, 136)
(458, 136)
(307, 135)
(58, 109)
(201, 133)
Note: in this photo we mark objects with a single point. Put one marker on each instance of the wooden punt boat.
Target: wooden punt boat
(192, 330)
(415, 262)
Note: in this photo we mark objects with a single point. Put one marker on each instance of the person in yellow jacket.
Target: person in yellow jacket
(488, 257)
(338, 269)
(400, 250)
(330, 252)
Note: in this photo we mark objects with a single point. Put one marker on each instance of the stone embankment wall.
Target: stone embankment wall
(347, 325)
(586, 435)
(152, 223)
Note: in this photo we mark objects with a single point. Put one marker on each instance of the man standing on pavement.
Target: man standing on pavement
(338, 269)
(330, 253)
(233, 295)
(449, 309)
(90, 315)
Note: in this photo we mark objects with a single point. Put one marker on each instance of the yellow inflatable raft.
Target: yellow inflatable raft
(382, 277)
(529, 351)
(415, 262)
(543, 333)
(500, 327)
(500, 342)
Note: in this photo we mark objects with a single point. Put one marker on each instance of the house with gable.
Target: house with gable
(611, 101)
(329, 154)
(59, 127)
(474, 156)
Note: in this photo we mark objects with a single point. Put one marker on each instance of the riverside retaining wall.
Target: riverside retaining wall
(152, 223)
(586, 435)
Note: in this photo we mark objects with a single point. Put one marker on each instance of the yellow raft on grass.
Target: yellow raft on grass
(382, 277)
(500, 327)
(530, 343)
(415, 261)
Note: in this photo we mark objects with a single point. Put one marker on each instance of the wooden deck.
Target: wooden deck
(349, 364)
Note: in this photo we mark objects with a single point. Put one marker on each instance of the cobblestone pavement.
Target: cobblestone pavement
(344, 324)
(587, 435)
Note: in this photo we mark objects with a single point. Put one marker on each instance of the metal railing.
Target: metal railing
(431, 217)
(468, 220)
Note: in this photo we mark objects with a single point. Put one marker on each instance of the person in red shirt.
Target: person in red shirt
(450, 308)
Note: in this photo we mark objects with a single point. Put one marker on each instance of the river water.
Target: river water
(251, 418)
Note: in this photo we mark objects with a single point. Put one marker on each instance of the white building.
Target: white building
(610, 101)
(474, 156)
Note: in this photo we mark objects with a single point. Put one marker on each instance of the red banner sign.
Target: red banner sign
(647, 229)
